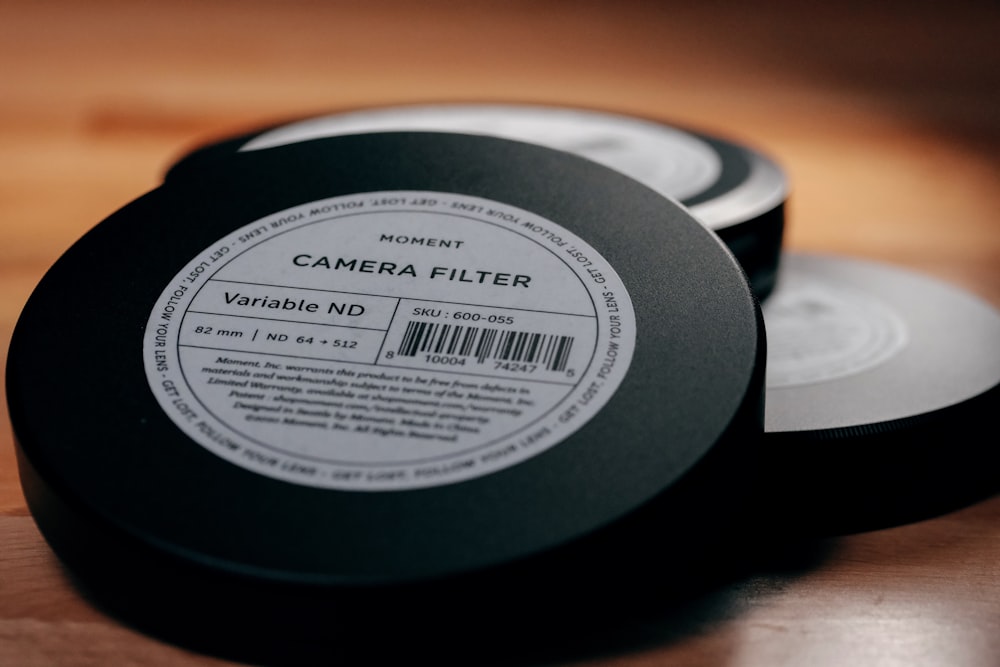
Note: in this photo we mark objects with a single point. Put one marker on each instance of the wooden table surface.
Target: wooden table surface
(885, 117)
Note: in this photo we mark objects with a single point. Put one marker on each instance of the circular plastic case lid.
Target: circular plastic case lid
(881, 384)
(370, 383)
(734, 189)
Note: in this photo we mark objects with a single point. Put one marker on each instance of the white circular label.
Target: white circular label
(816, 333)
(672, 162)
(389, 340)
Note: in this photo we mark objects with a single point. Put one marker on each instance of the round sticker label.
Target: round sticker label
(818, 333)
(389, 341)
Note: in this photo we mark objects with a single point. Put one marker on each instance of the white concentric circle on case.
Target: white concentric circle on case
(854, 342)
(673, 162)
(818, 331)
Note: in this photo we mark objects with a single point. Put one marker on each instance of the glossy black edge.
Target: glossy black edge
(873, 476)
(757, 244)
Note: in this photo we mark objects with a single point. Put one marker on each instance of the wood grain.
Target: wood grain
(887, 120)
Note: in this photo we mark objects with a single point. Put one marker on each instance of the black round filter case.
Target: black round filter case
(386, 383)
(881, 384)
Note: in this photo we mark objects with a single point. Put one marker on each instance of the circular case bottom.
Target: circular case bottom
(882, 386)
(187, 545)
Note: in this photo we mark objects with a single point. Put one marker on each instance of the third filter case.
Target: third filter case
(882, 385)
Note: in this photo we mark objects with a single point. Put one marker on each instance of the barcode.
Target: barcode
(484, 343)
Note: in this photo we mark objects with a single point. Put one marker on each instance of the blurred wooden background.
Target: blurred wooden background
(886, 117)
